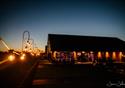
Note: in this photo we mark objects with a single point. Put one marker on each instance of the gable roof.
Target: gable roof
(61, 42)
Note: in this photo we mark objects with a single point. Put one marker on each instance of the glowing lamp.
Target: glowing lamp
(22, 58)
(11, 57)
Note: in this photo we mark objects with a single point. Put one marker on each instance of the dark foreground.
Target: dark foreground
(77, 76)
(47, 75)
(13, 74)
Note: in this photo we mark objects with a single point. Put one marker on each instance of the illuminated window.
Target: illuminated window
(99, 55)
(91, 51)
(54, 54)
(79, 54)
(120, 55)
(107, 54)
(114, 55)
(74, 53)
(83, 52)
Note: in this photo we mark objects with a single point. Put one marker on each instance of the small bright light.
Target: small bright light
(23, 55)
(22, 58)
(83, 52)
(11, 57)
(91, 52)
(25, 50)
(114, 55)
(107, 54)
(78, 53)
(120, 55)
(99, 55)
(38, 54)
(54, 54)
(32, 54)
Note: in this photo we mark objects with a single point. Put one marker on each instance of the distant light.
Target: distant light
(25, 50)
(75, 56)
(22, 58)
(83, 52)
(32, 54)
(79, 54)
(120, 55)
(11, 57)
(38, 54)
(107, 54)
(99, 55)
(114, 55)
(54, 54)
(91, 52)
(24, 55)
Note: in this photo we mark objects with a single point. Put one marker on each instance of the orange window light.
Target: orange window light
(99, 55)
(114, 55)
(107, 54)
(120, 55)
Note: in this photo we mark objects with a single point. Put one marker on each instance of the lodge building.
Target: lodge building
(89, 48)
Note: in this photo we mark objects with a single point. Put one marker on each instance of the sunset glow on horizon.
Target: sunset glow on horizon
(74, 17)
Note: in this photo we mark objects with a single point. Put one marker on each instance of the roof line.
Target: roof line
(84, 36)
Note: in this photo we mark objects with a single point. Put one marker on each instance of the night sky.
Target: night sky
(77, 17)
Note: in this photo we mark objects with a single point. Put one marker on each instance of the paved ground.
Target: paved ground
(12, 74)
(73, 76)
(47, 75)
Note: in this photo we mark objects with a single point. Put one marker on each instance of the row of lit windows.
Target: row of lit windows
(114, 55)
(99, 54)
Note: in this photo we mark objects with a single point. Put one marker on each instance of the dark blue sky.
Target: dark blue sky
(79, 17)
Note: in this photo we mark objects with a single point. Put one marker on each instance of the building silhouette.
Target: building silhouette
(89, 47)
